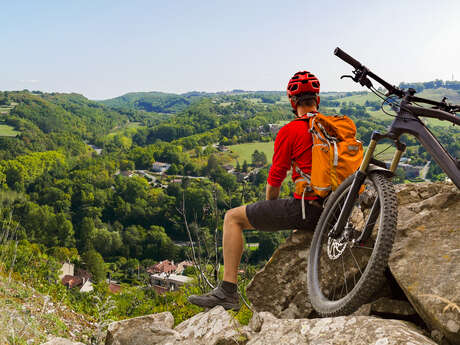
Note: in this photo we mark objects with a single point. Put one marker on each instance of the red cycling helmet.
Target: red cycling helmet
(302, 82)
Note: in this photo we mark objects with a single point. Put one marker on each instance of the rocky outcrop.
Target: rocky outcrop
(356, 330)
(426, 256)
(425, 263)
(61, 341)
(150, 329)
(217, 327)
(213, 327)
(281, 286)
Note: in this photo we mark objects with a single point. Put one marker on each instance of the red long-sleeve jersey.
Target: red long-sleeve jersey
(293, 143)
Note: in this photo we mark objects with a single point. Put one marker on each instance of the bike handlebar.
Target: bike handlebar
(347, 58)
(362, 72)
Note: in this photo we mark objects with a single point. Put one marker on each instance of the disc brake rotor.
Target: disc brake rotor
(335, 248)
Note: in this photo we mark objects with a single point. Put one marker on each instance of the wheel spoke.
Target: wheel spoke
(344, 275)
(356, 261)
(363, 247)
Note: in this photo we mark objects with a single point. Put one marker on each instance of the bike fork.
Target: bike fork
(360, 176)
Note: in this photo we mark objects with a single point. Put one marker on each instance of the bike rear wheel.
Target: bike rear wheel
(343, 273)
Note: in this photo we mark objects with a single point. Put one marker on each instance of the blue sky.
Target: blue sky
(104, 49)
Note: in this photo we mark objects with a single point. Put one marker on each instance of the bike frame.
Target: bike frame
(405, 122)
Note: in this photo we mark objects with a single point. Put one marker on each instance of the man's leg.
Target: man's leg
(226, 294)
(235, 222)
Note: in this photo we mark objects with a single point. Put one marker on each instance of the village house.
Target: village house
(166, 276)
(67, 269)
(182, 266)
(223, 148)
(169, 282)
(160, 167)
(113, 286)
(164, 266)
(228, 168)
(128, 173)
(68, 279)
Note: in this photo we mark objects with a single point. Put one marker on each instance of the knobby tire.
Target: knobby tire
(367, 280)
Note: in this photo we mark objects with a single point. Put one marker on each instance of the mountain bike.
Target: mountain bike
(355, 233)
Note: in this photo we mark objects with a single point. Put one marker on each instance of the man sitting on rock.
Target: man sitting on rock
(292, 148)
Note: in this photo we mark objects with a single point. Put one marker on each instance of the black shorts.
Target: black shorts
(282, 214)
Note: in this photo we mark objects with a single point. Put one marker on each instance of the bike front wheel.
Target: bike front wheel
(343, 273)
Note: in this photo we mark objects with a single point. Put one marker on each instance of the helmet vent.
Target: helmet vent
(315, 84)
(293, 87)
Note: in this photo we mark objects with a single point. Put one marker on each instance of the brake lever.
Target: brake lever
(347, 76)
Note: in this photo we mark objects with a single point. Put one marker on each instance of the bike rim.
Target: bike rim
(342, 263)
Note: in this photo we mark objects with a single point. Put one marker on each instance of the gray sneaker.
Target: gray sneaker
(218, 296)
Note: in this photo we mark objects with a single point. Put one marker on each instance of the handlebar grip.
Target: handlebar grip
(347, 58)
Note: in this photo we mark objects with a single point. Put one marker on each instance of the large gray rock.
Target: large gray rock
(218, 327)
(426, 256)
(143, 330)
(395, 308)
(215, 327)
(281, 286)
(356, 330)
(61, 341)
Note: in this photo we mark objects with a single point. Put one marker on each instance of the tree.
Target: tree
(173, 170)
(94, 263)
(126, 165)
(212, 163)
(245, 166)
(259, 158)
(86, 233)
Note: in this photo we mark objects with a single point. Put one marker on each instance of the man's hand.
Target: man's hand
(272, 193)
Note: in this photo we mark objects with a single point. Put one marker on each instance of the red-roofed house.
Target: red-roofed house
(182, 265)
(71, 281)
(164, 266)
(114, 288)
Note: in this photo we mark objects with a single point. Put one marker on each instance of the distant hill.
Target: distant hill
(170, 103)
(49, 121)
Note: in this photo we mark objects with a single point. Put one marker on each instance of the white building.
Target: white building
(87, 286)
(160, 167)
(67, 269)
(170, 281)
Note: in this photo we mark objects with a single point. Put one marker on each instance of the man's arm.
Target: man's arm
(272, 193)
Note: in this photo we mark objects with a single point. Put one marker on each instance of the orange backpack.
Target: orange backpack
(336, 154)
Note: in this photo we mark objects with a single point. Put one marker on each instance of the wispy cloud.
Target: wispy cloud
(29, 81)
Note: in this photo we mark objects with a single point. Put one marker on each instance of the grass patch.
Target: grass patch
(379, 115)
(8, 131)
(129, 128)
(134, 125)
(385, 156)
(245, 151)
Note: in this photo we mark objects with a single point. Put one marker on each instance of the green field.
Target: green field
(131, 126)
(384, 156)
(437, 95)
(244, 151)
(359, 99)
(8, 131)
